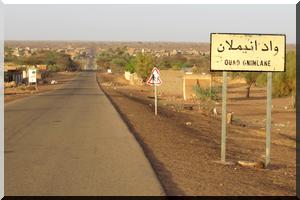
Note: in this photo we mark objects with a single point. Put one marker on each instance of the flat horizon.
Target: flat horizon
(103, 41)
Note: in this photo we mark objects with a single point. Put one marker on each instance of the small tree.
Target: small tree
(119, 63)
(164, 62)
(250, 78)
(144, 65)
(130, 66)
(117, 58)
(104, 58)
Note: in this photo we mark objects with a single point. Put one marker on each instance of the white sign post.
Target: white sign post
(247, 52)
(32, 77)
(154, 80)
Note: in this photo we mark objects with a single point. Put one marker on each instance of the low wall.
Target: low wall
(192, 80)
(172, 81)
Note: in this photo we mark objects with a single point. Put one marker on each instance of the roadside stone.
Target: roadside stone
(194, 141)
(259, 164)
(229, 118)
(10, 84)
(280, 125)
(188, 123)
(215, 111)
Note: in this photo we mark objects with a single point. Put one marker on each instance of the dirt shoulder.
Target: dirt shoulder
(11, 94)
(183, 154)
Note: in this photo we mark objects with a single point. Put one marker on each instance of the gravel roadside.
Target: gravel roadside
(183, 156)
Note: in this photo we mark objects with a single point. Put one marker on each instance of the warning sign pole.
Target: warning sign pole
(155, 100)
(154, 80)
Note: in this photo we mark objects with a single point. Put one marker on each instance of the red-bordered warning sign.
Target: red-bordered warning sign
(154, 78)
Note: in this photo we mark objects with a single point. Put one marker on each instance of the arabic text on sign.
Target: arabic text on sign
(253, 46)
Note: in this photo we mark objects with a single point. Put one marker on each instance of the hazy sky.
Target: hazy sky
(190, 23)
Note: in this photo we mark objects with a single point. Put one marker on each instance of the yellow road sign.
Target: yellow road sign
(247, 52)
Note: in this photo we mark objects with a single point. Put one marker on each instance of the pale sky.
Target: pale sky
(178, 23)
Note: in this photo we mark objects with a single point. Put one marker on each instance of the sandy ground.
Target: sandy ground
(184, 154)
(11, 94)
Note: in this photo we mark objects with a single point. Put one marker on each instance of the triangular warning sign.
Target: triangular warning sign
(154, 77)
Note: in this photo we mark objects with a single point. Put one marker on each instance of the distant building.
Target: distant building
(188, 70)
(13, 73)
(16, 52)
(41, 67)
(131, 51)
(193, 52)
(173, 52)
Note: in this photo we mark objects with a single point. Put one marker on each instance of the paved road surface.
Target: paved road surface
(71, 141)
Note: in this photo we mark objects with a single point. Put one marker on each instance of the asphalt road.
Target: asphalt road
(72, 141)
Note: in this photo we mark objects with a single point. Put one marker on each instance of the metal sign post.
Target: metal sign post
(268, 118)
(210, 86)
(183, 87)
(154, 80)
(155, 100)
(224, 114)
(249, 53)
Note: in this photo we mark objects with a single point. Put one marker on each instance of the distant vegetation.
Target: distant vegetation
(284, 83)
(206, 93)
(114, 58)
(120, 60)
(199, 63)
(55, 61)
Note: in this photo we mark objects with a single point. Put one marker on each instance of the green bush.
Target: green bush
(164, 62)
(206, 93)
(201, 64)
(261, 80)
(144, 65)
(284, 83)
(117, 58)
(130, 66)
(53, 68)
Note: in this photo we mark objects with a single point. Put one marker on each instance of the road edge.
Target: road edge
(154, 163)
